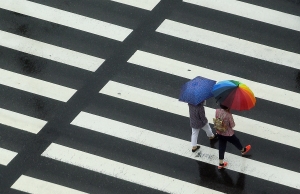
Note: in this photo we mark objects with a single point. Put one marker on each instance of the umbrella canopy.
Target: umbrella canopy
(234, 94)
(196, 90)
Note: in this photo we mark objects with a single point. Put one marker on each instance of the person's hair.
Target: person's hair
(223, 107)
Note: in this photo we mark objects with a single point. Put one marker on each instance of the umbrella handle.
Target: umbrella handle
(218, 100)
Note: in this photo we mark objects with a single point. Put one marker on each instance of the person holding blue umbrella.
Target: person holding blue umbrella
(195, 92)
(199, 121)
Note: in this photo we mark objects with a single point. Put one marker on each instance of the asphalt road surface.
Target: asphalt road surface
(89, 95)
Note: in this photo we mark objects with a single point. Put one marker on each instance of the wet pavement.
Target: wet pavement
(29, 146)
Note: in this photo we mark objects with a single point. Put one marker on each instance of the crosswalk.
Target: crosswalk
(246, 10)
(50, 52)
(172, 105)
(67, 19)
(6, 156)
(228, 43)
(21, 121)
(133, 135)
(190, 71)
(42, 88)
(143, 4)
(176, 146)
(32, 185)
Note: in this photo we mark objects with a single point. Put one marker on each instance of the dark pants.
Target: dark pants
(223, 142)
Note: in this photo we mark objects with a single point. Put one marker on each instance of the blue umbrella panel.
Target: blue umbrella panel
(197, 90)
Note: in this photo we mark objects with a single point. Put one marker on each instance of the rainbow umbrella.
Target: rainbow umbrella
(234, 94)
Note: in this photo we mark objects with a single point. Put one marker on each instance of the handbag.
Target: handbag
(219, 124)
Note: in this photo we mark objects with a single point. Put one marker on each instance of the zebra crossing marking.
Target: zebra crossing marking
(172, 105)
(20, 121)
(229, 43)
(179, 147)
(54, 188)
(250, 11)
(189, 71)
(6, 156)
(51, 52)
(36, 186)
(65, 18)
(122, 171)
(35, 86)
(143, 4)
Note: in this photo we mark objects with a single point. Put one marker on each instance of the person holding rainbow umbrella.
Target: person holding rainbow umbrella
(233, 95)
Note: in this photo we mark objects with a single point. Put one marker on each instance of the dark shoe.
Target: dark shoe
(195, 149)
(214, 138)
(212, 143)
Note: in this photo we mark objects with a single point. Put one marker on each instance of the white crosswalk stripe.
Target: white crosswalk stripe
(20, 121)
(230, 43)
(36, 186)
(42, 88)
(252, 12)
(121, 171)
(6, 156)
(190, 71)
(171, 105)
(66, 18)
(50, 52)
(143, 4)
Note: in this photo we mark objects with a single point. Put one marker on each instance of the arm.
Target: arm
(231, 121)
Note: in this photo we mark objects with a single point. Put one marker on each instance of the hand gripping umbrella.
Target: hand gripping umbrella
(196, 90)
(233, 94)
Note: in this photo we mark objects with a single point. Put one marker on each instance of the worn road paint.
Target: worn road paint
(122, 171)
(172, 145)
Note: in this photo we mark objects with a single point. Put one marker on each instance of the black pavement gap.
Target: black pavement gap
(30, 155)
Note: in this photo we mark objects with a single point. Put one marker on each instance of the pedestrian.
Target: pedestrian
(199, 121)
(227, 135)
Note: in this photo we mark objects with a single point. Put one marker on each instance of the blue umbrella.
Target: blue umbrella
(197, 90)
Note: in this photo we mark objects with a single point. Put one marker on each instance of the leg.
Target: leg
(208, 130)
(194, 137)
(236, 142)
(222, 148)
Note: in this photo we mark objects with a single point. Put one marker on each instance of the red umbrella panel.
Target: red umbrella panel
(233, 94)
